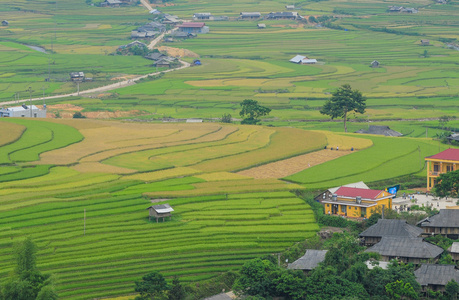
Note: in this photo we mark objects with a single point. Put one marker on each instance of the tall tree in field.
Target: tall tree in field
(251, 111)
(343, 101)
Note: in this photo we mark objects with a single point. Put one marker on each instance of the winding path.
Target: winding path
(116, 85)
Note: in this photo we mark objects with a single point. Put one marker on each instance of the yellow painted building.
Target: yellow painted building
(440, 163)
(357, 203)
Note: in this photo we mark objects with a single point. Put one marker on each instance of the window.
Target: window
(436, 167)
(449, 168)
(363, 211)
(328, 205)
(343, 208)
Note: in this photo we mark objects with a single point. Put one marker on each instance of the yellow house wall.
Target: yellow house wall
(442, 168)
(355, 211)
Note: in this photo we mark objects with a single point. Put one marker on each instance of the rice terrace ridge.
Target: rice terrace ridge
(153, 119)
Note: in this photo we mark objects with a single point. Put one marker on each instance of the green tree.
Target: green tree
(78, 115)
(255, 278)
(444, 120)
(344, 101)
(401, 290)
(152, 286)
(448, 184)
(226, 118)
(177, 291)
(251, 112)
(452, 289)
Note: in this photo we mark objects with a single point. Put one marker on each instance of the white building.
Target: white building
(23, 111)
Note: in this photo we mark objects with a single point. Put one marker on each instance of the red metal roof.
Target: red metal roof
(448, 154)
(193, 25)
(354, 192)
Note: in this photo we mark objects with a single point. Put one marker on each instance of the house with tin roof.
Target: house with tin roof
(193, 27)
(284, 15)
(446, 223)
(357, 202)
(436, 277)
(160, 211)
(24, 111)
(406, 249)
(440, 163)
(303, 60)
(309, 261)
(203, 16)
(249, 15)
(388, 227)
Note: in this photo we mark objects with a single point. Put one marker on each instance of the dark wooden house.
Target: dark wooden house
(436, 277)
(5, 23)
(283, 15)
(406, 249)
(446, 223)
(308, 261)
(374, 64)
(425, 42)
(160, 211)
(249, 15)
(388, 227)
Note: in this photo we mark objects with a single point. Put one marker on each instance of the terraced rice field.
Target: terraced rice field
(221, 219)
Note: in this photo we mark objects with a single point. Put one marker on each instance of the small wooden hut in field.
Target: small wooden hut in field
(160, 211)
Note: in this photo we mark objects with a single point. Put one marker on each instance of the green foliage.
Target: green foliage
(226, 118)
(152, 286)
(78, 115)
(448, 184)
(251, 111)
(452, 289)
(401, 290)
(177, 291)
(343, 101)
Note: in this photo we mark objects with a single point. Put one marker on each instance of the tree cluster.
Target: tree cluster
(27, 282)
(251, 112)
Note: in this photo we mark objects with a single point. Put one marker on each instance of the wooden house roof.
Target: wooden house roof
(391, 227)
(309, 260)
(429, 274)
(405, 247)
(448, 154)
(445, 218)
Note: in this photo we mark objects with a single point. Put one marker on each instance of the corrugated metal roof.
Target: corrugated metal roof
(297, 59)
(405, 247)
(390, 227)
(162, 208)
(354, 192)
(436, 274)
(445, 218)
(309, 260)
(192, 25)
(448, 154)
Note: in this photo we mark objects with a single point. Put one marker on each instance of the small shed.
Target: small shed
(454, 251)
(261, 26)
(77, 76)
(197, 62)
(436, 277)
(374, 64)
(160, 211)
(5, 23)
(425, 42)
(308, 261)
(290, 6)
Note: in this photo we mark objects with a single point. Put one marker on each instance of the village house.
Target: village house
(152, 26)
(440, 163)
(425, 42)
(374, 64)
(379, 130)
(290, 7)
(454, 251)
(357, 203)
(446, 223)
(77, 76)
(286, 15)
(436, 277)
(395, 8)
(388, 227)
(181, 35)
(327, 195)
(5, 23)
(303, 60)
(160, 211)
(261, 26)
(111, 3)
(190, 27)
(155, 56)
(169, 19)
(309, 261)
(406, 249)
(132, 44)
(203, 16)
(249, 15)
(23, 111)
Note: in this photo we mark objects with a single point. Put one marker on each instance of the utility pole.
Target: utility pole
(30, 101)
(84, 222)
(43, 88)
(78, 88)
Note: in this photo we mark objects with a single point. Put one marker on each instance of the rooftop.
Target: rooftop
(392, 227)
(448, 154)
(355, 192)
(405, 247)
(192, 25)
(445, 218)
(436, 274)
(309, 260)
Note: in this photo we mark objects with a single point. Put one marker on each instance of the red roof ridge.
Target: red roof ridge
(448, 154)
